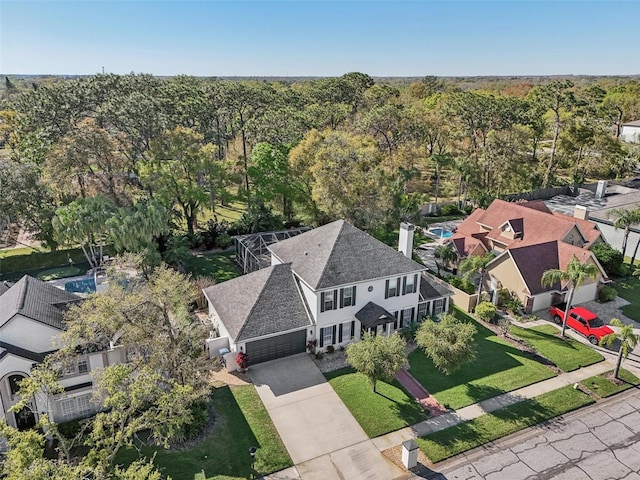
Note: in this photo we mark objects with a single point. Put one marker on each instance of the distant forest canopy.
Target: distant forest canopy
(364, 149)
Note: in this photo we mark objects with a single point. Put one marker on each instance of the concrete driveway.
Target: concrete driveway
(322, 437)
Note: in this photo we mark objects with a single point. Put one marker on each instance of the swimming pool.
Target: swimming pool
(84, 285)
(440, 232)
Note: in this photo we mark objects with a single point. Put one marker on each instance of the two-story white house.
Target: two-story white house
(31, 318)
(325, 287)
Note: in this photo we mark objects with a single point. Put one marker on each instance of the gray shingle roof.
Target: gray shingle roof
(7, 348)
(37, 300)
(430, 288)
(339, 254)
(260, 303)
(3, 288)
(372, 315)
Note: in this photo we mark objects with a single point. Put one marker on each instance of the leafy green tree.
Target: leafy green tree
(485, 311)
(378, 357)
(574, 275)
(476, 264)
(84, 222)
(628, 341)
(610, 258)
(177, 170)
(449, 343)
(446, 254)
(625, 218)
(271, 177)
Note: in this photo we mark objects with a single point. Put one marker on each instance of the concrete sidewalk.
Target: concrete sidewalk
(450, 419)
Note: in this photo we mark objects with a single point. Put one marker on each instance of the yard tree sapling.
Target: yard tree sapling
(449, 343)
(628, 341)
(378, 357)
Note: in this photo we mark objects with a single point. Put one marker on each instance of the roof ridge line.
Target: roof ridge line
(253, 307)
(333, 247)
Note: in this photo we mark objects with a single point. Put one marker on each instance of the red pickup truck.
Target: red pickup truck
(582, 321)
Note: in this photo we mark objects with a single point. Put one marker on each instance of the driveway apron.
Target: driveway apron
(320, 434)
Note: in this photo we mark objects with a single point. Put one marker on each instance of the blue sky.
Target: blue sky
(317, 38)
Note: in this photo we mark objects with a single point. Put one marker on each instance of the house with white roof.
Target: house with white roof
(31, 318)
(324, 287)
(630, 132)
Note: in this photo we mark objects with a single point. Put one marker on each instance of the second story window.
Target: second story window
(409, 284)
(347, 297)
(392, 288)
(328, 300)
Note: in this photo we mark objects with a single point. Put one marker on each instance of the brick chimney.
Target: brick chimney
(405, 238)
(581, 212)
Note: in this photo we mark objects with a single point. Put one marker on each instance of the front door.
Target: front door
(25, 419)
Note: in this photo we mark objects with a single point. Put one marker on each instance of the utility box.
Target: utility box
(409, 454)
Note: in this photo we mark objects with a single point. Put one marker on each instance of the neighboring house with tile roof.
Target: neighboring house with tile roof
(31, 318)
(325, 286)
(528, 239)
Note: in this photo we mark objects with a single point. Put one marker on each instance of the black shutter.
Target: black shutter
(384, 327)
(353, 302)
(398, 287)
(395, 322)
(413, 311)
(353, 328)
(386, 289)
(340, 334)
(335, 299)
(322, 303)
(333, 340)
(415, 283)
(321, 337)
(341, 297)
(404, 285)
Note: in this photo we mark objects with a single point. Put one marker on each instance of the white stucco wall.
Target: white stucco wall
(29, 334)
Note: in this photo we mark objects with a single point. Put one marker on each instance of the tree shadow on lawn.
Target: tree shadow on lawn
(495, 356)
(223, 453)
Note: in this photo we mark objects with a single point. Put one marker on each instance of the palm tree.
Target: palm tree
(628, 341)
(575, 275)
(624, 218)
(476, 264)
(446, 254)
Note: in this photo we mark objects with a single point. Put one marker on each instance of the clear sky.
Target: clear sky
(320, 38)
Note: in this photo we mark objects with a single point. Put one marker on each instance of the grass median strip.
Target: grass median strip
(389, 409)
(492, 426)
(604, 385)
(567, 354)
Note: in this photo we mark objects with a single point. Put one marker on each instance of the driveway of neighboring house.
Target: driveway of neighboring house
(322, 437)
(606, 311)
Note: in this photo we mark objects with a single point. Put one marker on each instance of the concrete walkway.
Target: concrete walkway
(490, 405)
(320, 434)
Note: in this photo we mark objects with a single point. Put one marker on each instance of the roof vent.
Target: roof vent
(306, 253)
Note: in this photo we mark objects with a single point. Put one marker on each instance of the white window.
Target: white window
(438, 306)
(409, 284)
(83, 366)
(406, 317)
(68, 407)
(327, 336)
(347, 297)
(392, 288)
(84, 405)
(422, 310)
(328, 300)
(70, 369)
(346, 331)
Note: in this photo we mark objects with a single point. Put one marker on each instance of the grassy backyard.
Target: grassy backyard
(391, 408)
(603, 387)
(498, 368)
(14, 262)
(241, 422)
(460, 438)
(567, 354)
(220, 266)
(629, 289)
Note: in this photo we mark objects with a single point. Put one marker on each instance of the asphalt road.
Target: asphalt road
(598, 442)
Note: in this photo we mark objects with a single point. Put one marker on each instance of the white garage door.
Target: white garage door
(586, 293)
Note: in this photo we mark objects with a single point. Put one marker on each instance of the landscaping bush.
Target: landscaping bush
(70, 429)
(451, 209)
(199, 414)
(611, 259)
(331, 349)
(223, 241)
(513, 305)
(504, 295)
(486, 311)
(463, 284)
(607, 294)
(211, 237)
(409, 333)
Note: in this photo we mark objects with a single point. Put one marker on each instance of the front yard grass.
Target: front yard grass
(567, 354)
(220, 266)
(603, 387)
(499, 367)
(492, 426)
(241, 422)
(629, 289)
(391, 408)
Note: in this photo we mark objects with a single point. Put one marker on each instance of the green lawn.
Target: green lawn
(231, 213)
(498, 368)
(60, 272)
(460, 438)
(242, 422)
(629, 289)
(391, 408)
(603, 387)
(220, 266)
(19, 260)
(567, 354)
